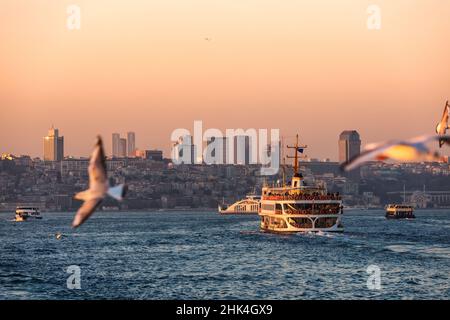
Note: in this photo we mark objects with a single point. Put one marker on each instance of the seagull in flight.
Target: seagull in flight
(401, 150)
(98, 186)
(441, 128)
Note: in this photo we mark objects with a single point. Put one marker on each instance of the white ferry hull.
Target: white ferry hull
(289, 227)
(248, 206)
(234, 213)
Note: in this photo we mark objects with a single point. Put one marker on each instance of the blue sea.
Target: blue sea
(201, 255)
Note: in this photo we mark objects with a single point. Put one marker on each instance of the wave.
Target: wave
(431, 250)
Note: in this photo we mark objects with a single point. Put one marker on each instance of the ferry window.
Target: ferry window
(278, 208)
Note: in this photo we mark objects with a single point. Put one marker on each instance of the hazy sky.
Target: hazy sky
(311, 67)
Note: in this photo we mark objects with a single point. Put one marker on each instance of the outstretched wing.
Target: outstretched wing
(400, 150)
(419, 142)
(85, 211)
(372, 153)
(97, 166)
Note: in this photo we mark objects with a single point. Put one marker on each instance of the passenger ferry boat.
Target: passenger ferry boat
(249, 205)
(24, 213)
(300, 208)
(400, 211)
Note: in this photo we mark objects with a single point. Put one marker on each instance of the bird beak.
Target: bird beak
(99, 141)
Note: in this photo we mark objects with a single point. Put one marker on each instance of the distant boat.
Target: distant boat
(249, 205)
(25, 213)
(110, 208)
(400, 211)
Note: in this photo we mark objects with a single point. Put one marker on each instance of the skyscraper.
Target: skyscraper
(242, 150)
(349, 145)
(60, 149)
(53, 146)
(131, 137)
(122, 147)
(219, 150)
(184, 151)
(115, 144)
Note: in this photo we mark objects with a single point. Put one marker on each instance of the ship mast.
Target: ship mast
(298, 149)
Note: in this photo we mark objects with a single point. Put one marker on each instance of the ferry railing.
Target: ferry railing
(313, 211)
(303, 197)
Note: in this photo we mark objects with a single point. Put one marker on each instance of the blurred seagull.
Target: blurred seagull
(98, 186)
(441, 128)
(401, 150)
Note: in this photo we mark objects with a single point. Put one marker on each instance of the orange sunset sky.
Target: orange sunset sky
(311, 67)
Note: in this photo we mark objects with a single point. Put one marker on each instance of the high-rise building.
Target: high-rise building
(53, 146)
(115, 144)
(349, 145)
(131, 137)
(242, 155)
(122, 148)
(219, 151)
(60, 149)
(185, 151)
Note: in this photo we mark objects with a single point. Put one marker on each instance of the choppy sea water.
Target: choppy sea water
(201, 255)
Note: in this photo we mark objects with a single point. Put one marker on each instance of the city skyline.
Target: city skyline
(316, 72)
(349, 144)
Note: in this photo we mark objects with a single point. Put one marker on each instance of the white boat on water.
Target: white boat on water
(249, 205)
(25, 213)
(299, 207)
(400, 211)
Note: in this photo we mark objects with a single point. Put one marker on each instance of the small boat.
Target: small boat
(24, 213)
(400, 211)
(249, 205)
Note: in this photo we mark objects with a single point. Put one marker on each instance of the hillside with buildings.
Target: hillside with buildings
(157, 183)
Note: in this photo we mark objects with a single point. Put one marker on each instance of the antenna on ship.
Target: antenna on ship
(284, 172)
